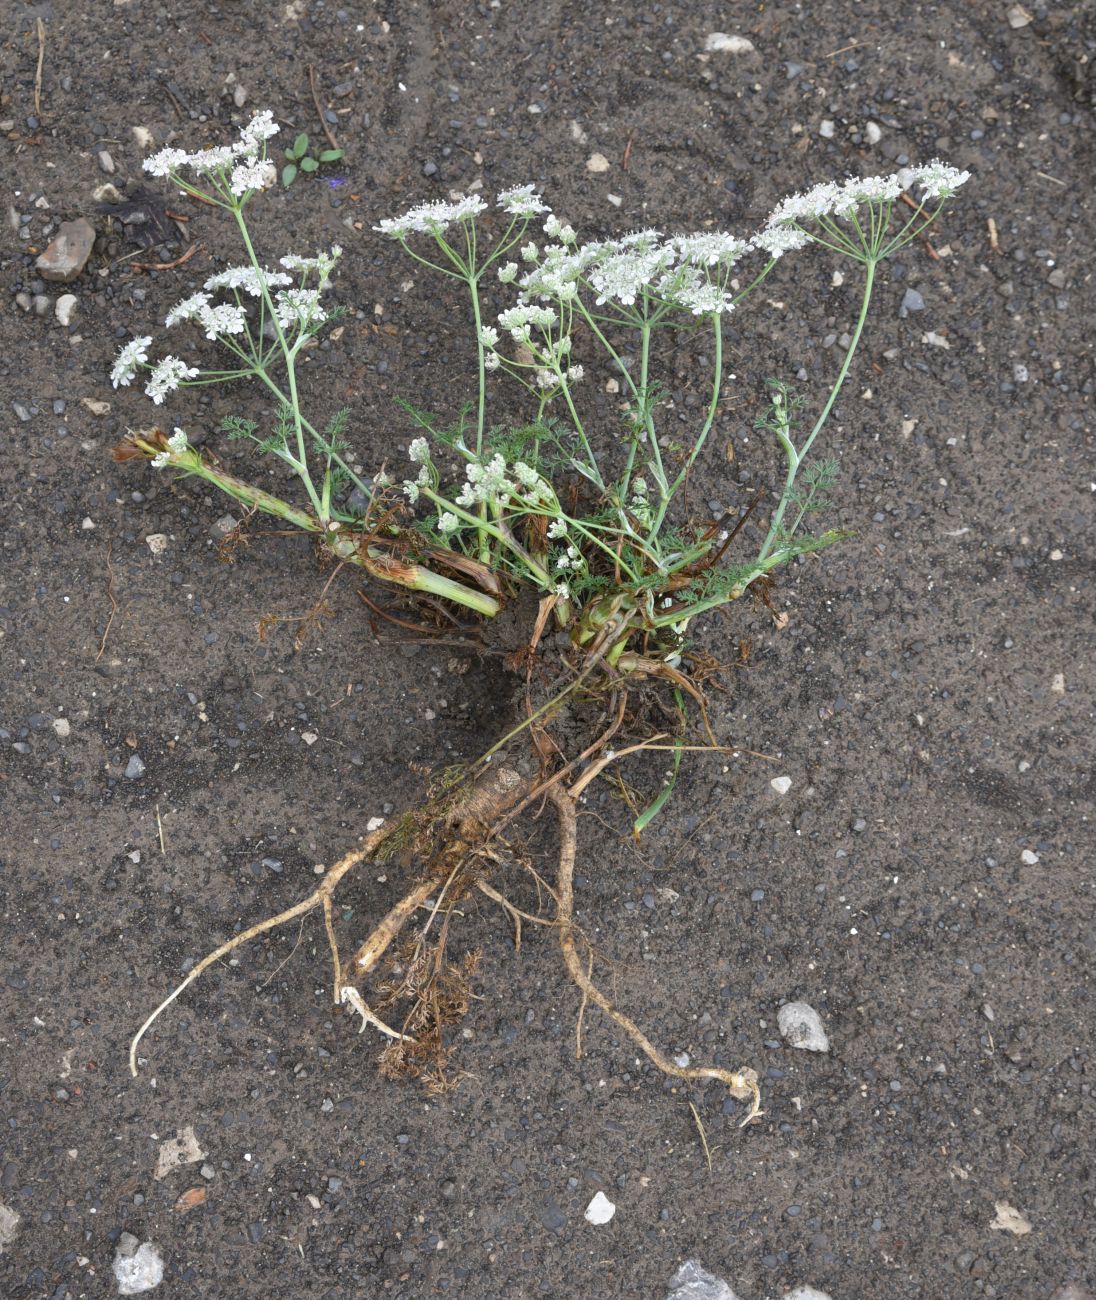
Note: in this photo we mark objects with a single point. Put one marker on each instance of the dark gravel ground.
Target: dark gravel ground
(930, 697)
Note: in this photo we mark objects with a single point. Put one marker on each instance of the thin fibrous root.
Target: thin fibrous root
(475, 810)
(315, 899)
(741, 1083)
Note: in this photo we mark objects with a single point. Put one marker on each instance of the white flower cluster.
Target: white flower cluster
(299, 307)
(246, 158)
(129, 360)
(841, 199)
(214, 320)
(521, 201)
(323, 263)
(686, 271)
(521, 320)
(176, 444)
(247, 279)
(166, 376)
(432, 218)
(491, 483)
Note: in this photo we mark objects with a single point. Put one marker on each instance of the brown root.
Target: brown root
(742, 1084)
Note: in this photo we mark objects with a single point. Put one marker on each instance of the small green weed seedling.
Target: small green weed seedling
(301, 158)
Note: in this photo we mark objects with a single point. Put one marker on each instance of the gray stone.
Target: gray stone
(106, 162)
(68, 252)
(135, 768)
(912, 301)
(802, 1027)
(137, 1268)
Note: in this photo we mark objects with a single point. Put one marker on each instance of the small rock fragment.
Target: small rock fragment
(600, 1210)
(781, 784)
(106, 162)
(225, 525)
(9, 1226)
(873, 133)
(597, 162)
(156, 543)
(62, 728)
(826, 128)
(309, 737)
(1018, 17)
(65, 308)
(1058, 683)
(182, 1149)
(721, 43)
(68, 251)
(1029, 858)
(806, 1293)
(95, 406)
(1009, 1219)
(137, 1268)
(912, 301)
(135, 768)
(694, 1282)
(802, 1027)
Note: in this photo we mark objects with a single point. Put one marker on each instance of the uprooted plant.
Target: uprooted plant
(592, 523)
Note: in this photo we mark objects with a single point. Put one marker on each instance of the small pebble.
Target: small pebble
(597, 162)
(873, 133)
(826, 129)
(106, 162)
(137, 1268)
(61, 727)
(1028, 858)
(135, 768)
(802, 1027)
(806, 1293)
(1018, 17)
(721, 43)
(911, 301)
(781, 784)
(65, 308)
(600, 1210)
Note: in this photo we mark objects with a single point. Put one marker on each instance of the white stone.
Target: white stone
(600, 1210)
(62, 727)
(137, 1268)
(597, 162)
(873, 133)
(309, 737)
(374, 824)
(806, 1293)
(156, 543)
(1058, 683)
(9, 1226)
(692, 1281)
(801, 1026)
(721, 43)
(65, 308)
(1028, 858)
(1018, 17)
(826, 128)
(781, 784)
(1009, 1219)
(182, 1149)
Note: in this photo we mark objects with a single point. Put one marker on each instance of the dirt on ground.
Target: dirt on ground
(169, 776)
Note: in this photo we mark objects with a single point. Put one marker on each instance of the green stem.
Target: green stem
(797, 457)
